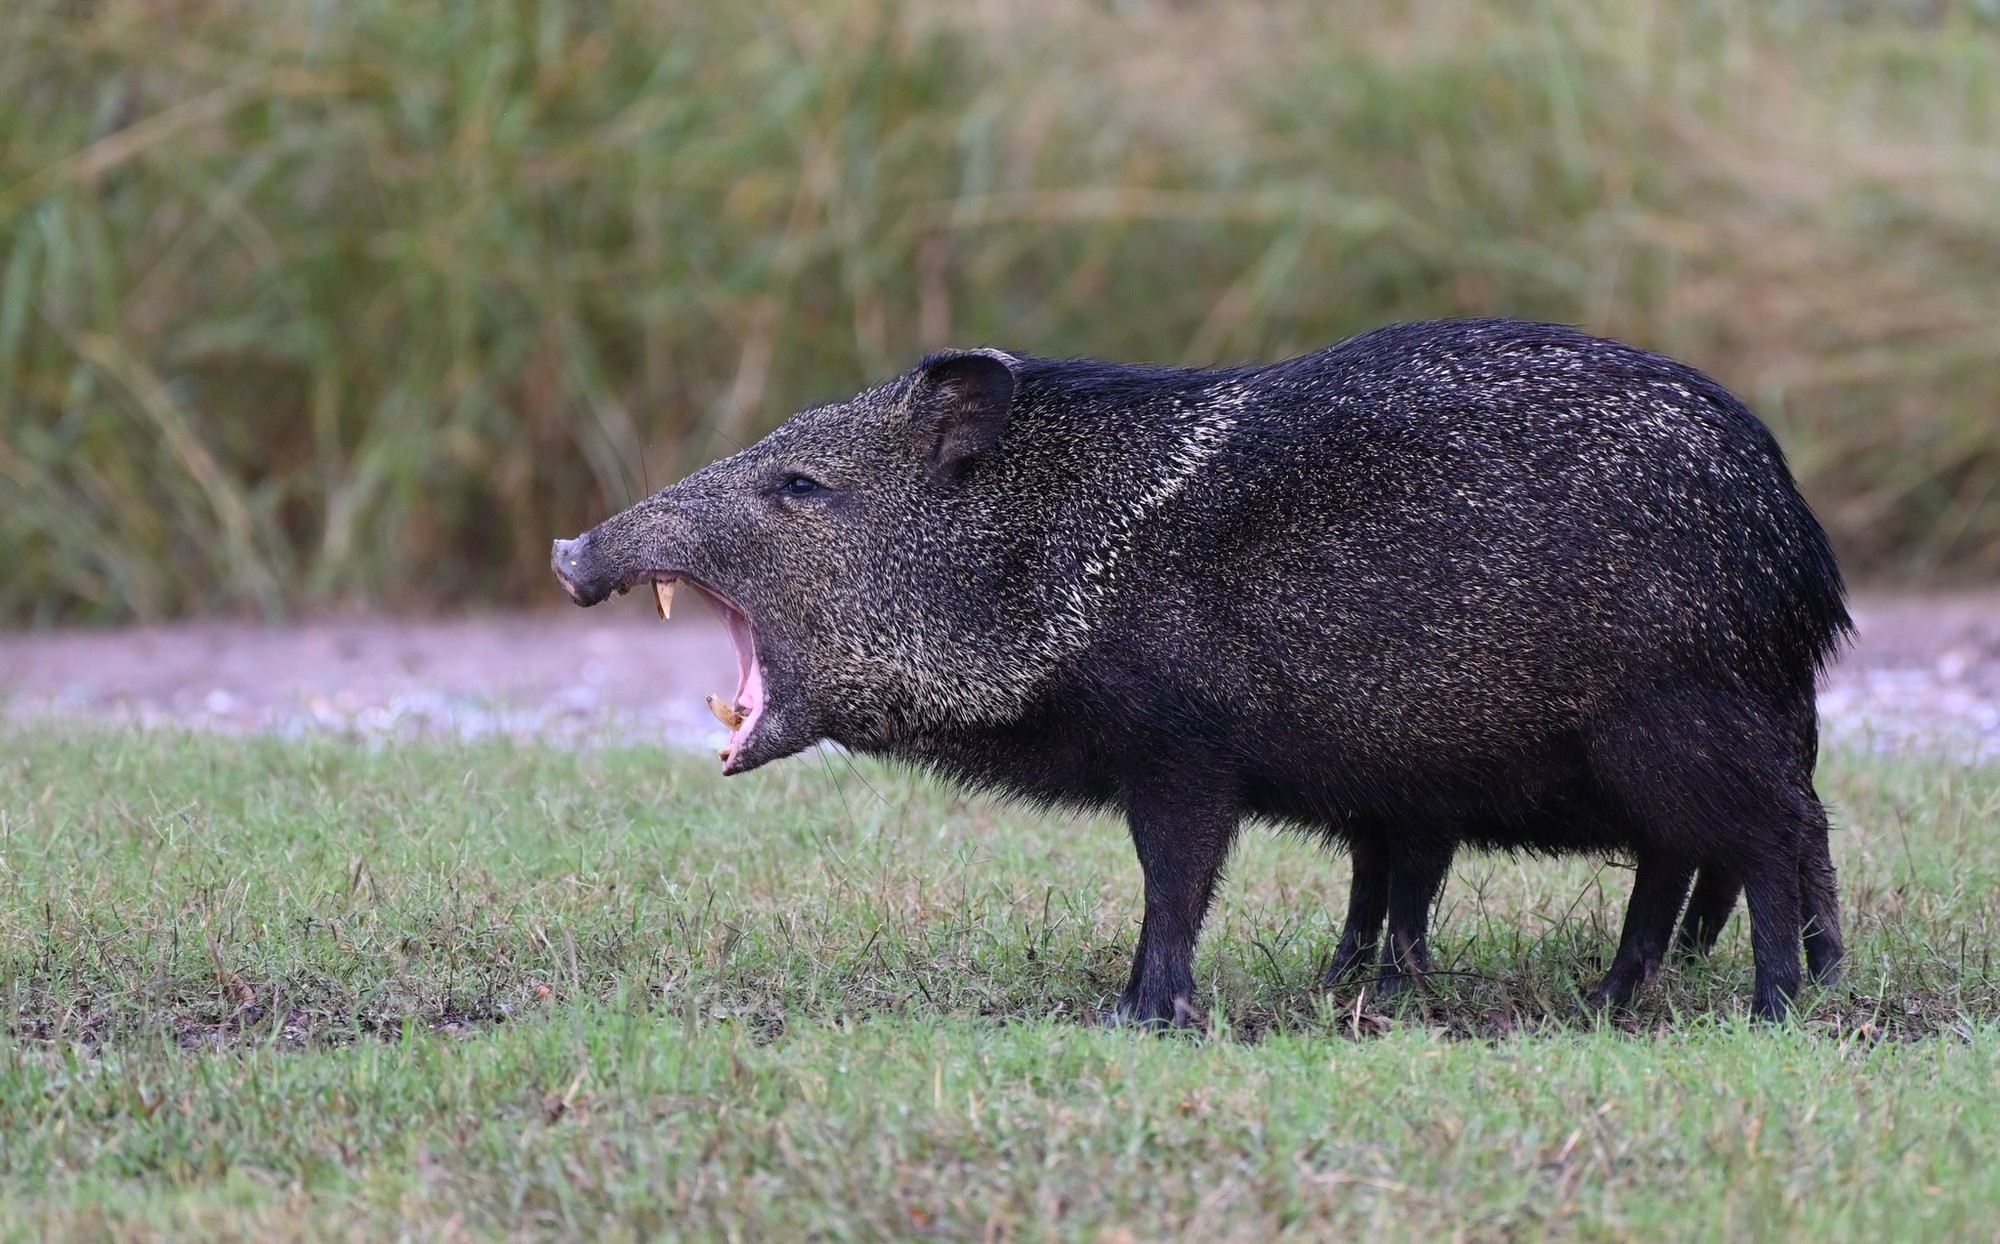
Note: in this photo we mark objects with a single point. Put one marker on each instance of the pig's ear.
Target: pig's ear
(959, 405)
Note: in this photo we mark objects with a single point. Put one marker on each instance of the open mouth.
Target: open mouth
(742, 713)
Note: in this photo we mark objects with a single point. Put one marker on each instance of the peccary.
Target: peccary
(1466, 581)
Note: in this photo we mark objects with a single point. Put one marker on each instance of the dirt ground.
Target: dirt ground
(1926, 669)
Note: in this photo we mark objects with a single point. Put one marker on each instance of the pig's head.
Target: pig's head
(870, 559)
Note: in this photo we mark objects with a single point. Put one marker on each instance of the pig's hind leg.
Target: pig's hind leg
(1700, 777)
(1716, 891)
(1819, 897)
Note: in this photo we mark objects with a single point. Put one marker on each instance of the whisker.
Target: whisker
(842, 753)
(840, 788)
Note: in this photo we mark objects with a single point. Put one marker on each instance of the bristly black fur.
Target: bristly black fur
(1471, 581)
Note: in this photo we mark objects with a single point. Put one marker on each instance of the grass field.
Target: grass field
(304, 304)
(260, 989)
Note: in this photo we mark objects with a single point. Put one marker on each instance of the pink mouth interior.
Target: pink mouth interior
(749, 674)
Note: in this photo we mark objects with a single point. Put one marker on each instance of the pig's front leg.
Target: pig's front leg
(1183, 839)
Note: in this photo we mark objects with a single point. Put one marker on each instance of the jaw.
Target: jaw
(744, 713)
(751, 698)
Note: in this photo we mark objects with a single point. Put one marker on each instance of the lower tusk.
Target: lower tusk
(724, 713)
(663, 597)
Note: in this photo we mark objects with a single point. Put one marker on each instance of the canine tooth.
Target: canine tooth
(663, 597)
(724, 713)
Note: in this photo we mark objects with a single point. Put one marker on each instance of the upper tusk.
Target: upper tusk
(663, 597)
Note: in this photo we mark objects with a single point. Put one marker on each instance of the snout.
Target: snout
(577, 570)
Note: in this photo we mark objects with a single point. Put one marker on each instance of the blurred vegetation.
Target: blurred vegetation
(304, 304)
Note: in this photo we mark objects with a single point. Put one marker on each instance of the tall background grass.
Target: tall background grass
(308, 303)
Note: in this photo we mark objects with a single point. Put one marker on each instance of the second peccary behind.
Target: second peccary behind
(1468, 581)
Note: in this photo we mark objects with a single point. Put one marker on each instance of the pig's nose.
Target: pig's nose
(567, 558)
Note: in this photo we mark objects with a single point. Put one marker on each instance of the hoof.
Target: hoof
(1622, 983)
(1608, 994)
(1179, 1016)
(1775, 1010)
(1346, 962)
(1823, 968)
(1397, 986)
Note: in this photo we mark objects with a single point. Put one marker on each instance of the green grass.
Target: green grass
(307, 303)
(260, 989)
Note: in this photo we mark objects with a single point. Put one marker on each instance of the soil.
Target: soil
(1925, 670)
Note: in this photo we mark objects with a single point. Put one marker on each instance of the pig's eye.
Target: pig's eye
(802, 486)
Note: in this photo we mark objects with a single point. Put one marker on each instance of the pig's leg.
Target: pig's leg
(1182, 846)
(1696, 784)
(1819, 897)
(1659, 886)
(1716, 890)
(1819, 893)
(1415, 879)
(1715, 893)
(1771, 891)
(1367, 904)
